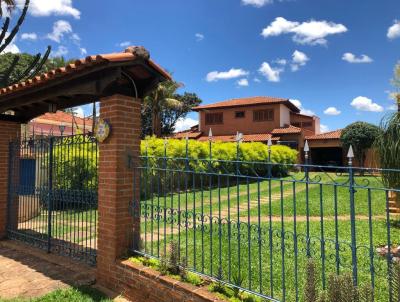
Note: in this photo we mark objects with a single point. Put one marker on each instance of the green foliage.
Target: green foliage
(340, 288)
(388, 146)
(310, 289)
(75, 162)
(80, 294)
(163, 107)
(361, 136)
(252, 152)
(396, 281)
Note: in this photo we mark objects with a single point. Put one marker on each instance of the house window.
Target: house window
(214, 118)
(307, 124)
(263, 115)
(239, 114)
(296, 124)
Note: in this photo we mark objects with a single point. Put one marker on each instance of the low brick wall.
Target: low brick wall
(141, 283)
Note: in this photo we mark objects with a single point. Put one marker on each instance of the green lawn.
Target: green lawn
(209, 238)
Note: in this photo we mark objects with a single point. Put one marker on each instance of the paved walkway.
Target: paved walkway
(28, 272)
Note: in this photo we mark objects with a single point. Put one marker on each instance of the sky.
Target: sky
(333, 58)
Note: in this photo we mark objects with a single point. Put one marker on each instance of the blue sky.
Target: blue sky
(330, 53)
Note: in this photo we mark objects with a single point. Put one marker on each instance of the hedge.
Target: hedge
(199, 154)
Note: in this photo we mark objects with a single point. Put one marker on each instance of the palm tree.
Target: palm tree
(158, 100)
(10, 4)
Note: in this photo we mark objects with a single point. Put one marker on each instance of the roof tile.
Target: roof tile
(327, 135)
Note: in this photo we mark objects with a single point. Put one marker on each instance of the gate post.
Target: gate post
(116, 226)
(8, 131)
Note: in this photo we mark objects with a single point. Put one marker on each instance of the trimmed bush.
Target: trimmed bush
(167, 164)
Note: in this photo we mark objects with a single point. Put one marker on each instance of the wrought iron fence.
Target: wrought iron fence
(254, 225)
(52, 194)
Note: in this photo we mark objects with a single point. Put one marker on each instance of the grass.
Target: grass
(216, 245)
(81, 294)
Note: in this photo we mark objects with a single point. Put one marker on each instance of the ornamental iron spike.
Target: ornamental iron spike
(269, 143)
(210, 135)
(306, 147)
(350, 153)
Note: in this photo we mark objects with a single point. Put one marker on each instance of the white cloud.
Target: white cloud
(12, 47)
(60, 28)
(351, 58)
(125, 44)
(257, 80)
(393, 107)
(298, 59)
(78, 111)
(394, 30)
(61, 51)
(272, 74)
(29, 36)
(332, 111)
(83, 51)
(243, 82)
(45, 8)
(323, 128)
(299, 105)
(312, 32)
(199, 37)
(257, 3)
(185, 124)
(232, 73)
(365, 104)
(280, 61)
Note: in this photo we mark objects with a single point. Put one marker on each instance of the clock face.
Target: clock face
(102, 130)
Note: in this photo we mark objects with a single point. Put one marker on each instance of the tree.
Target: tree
(396, 84)
(361, 136)
(160, 99)
(169, 115)
(10, 4)
(8, 76)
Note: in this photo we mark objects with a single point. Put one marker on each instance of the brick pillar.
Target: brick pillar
(116, 226)
(8, 131)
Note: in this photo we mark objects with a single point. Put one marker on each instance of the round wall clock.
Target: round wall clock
(102, 130)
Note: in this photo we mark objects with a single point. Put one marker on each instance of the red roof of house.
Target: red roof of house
(62, 117)
(188, 134)
(327, 135)
(258, 100)
(286, 130)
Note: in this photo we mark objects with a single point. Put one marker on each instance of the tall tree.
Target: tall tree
(396, 84)
(361, 136)
(8, 76)
(169, 115)
(158, 100)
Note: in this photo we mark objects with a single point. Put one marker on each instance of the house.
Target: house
(56, 124)
(257, 118)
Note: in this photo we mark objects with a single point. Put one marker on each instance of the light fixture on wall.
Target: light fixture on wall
(62, 128)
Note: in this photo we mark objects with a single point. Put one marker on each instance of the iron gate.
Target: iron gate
(52, 194)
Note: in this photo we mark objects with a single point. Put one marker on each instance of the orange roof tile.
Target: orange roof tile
(79, 66)
(62, 117)
(188, 134)
(262, 137)
(258, 100)
(286, 130)
(327, 135)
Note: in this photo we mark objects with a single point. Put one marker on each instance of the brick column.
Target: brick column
(116, 226)
(8, 131)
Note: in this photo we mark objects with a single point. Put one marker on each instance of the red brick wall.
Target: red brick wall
(143, 284)
(116, 227)
(8, 131)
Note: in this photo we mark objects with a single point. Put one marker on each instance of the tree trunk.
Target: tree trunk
(156, 123)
